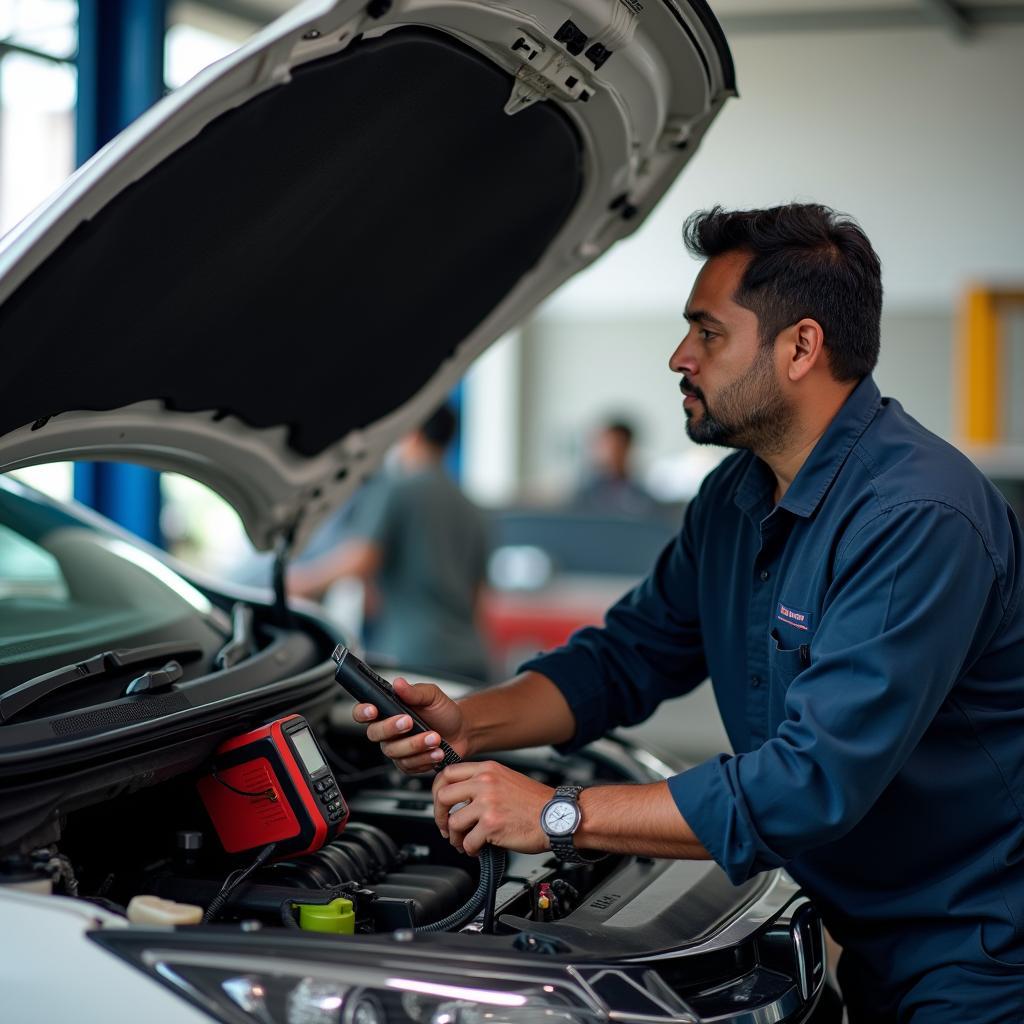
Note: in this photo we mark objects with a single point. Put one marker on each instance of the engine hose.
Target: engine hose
(288, 915)
(492, 867)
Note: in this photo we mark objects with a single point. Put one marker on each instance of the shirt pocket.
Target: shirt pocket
(784, 664)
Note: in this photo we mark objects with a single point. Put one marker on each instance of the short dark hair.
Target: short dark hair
(808, 261)
(439, 429)
(620, 426)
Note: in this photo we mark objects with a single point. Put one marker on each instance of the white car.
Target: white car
(262, 283)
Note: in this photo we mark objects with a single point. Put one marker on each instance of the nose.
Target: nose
(683, 359)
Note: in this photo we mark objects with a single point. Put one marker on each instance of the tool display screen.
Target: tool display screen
(307, 750)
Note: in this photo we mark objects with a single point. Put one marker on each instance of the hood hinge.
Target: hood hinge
(544, 72)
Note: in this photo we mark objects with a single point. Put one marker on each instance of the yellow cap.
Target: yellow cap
(337, 917)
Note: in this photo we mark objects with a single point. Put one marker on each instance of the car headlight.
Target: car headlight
(260, 987)
(773, 971)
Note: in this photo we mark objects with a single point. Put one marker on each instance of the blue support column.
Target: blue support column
(120, 75)
(453, 455)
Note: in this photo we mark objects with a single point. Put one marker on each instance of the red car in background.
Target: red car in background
(554, 571)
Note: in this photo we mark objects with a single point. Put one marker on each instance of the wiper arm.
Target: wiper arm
(155, 679)
(243, 637)
(105, 663)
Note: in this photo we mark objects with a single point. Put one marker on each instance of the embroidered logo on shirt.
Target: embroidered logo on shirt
(793, 616)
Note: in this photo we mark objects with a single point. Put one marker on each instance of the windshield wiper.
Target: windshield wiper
(103, 664)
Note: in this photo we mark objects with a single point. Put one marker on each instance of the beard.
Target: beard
(750, 412)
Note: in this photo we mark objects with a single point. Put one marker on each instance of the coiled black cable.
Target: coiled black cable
(234, 880)
(492, 867)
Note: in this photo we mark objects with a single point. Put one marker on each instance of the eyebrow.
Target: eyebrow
(702, 316)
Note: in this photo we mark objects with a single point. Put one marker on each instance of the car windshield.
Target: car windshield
(69, 590)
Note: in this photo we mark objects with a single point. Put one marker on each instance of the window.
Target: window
(37, 102)
(69, 590)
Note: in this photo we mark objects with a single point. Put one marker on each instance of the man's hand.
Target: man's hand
(414, 754)
(501, 806)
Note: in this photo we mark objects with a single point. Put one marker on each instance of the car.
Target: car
(262, 283)
(553, 571)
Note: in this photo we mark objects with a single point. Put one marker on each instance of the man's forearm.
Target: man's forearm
(636, 819)
(356, 558)
(527, 711)
(478, 802)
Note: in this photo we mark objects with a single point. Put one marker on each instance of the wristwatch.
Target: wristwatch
(559, 819)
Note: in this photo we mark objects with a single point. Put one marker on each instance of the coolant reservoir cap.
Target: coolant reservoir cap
(337, 917)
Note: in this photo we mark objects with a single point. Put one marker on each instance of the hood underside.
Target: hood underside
(367, 270)
(265, 295)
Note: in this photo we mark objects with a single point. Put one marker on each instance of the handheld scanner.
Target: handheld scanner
(366, 687)
(273, 785)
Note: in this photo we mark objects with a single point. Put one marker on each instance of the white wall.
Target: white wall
(919, 136)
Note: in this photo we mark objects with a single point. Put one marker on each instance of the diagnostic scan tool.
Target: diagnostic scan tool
(273, 785)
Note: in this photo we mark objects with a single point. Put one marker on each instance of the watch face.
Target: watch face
(560, 817)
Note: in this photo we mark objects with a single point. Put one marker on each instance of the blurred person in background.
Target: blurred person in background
(420, 547)
(610, 489)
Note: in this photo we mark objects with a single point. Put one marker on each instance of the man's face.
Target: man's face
(730, 381)
(610, 452)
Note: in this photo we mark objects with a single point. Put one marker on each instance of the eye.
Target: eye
(705, 335)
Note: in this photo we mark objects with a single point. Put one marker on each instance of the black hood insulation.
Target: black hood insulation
(310, 258)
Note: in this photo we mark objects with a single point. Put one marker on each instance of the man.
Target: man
(853, 587)
(422, 546)
(611, 489)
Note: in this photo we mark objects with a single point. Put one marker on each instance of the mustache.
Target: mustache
(691, 390)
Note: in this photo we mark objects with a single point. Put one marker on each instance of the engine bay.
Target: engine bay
(131, 832)
(389, 867)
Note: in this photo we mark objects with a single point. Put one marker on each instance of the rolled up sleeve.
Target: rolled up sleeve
(649, 649)
(912, 602)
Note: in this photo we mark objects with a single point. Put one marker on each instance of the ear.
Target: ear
(807, 348)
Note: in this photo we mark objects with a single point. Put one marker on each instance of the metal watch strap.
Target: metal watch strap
(563, 847)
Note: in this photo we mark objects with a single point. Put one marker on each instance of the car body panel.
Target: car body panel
(58, 974)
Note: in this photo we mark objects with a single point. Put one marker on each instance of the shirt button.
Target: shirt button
(765, 574)
(755, 681)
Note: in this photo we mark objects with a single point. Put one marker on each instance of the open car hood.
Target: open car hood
(288, 262)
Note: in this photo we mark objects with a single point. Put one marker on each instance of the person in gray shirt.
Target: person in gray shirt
(421, 548)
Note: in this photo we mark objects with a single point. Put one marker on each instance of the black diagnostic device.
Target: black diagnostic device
(363, 684)
(367, 687)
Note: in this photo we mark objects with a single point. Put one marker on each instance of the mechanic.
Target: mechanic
(852, 585)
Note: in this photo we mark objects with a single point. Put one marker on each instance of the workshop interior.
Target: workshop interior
(248, 248)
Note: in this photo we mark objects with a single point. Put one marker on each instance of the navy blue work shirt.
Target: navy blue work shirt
(865, 641)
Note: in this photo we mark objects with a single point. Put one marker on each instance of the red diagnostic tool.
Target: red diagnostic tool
(273, 785)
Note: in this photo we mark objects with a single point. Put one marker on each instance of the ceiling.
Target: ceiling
(958, 17)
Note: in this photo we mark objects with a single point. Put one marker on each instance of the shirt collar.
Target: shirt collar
(820, 469)
(755, 488)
